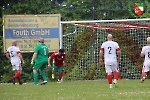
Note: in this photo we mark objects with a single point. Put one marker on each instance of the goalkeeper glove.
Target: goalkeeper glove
(32, 61)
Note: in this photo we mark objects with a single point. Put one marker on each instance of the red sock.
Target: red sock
(143, 74)
(19, 79)
(109, 77)
(17, 75)
(116, 75)
(60, 76)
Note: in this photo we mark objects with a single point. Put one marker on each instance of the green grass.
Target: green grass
(79, 90)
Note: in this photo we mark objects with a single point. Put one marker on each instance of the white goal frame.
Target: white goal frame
(96, 21)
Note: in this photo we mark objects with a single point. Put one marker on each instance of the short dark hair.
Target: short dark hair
(61, 50)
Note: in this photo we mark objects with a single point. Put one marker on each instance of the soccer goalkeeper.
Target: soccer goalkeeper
(39, 59)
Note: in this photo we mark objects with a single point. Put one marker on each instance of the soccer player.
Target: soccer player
(111, 51)
(40, 59)
(58, 63)
(146, 65)
(15, 57)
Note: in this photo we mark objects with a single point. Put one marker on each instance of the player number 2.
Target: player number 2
(109, 50)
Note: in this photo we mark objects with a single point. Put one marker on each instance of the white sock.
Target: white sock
(110, 86)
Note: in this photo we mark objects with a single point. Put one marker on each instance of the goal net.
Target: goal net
(82, 41)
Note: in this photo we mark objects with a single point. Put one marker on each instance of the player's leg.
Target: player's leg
(13, 79)
(15, 71)
(35, 73)
(17, 68)
(19, 78)
(35, 77)
(60, 76)
(143, 76)
(61, 70)
(43, 74)
(53, 74)
(115, 69)
(109, 75)
(145, 69)
(54, 69)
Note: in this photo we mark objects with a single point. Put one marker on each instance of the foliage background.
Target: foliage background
(69, 10)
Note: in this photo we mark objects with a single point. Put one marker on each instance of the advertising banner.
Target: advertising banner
(28, 29)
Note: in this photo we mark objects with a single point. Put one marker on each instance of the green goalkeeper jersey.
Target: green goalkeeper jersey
(42, 53)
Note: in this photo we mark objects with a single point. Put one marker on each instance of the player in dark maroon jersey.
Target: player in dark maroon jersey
(58, 63)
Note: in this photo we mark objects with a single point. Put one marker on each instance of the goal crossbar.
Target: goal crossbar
(97, 21)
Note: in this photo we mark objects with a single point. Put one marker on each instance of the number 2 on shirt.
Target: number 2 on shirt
(109, 50)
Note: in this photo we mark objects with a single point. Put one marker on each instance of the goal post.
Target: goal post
(82, 41)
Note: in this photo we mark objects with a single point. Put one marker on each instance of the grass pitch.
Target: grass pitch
(78, 90)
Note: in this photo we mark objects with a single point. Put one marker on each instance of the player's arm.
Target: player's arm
(7, 55)
(20, 56)
(119, 54)
(49, 59)
(142, 54)
(33, 57)
(35, 54)
(101, 55)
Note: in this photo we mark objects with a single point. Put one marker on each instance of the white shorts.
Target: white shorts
(111, 68)
(16, 66)
(146, 66)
